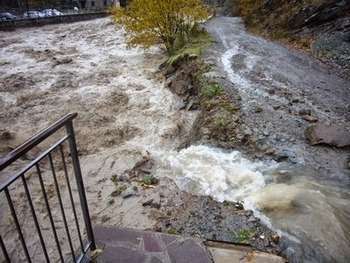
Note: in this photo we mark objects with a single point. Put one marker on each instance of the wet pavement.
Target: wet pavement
(127, 245)
(135, 246)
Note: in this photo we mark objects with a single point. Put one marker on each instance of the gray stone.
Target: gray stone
(60, 61)
(188, 251)
(231, 253)
(131, 245)
(154, 202)
(310, 118)
(286, 155)
(129, 192)
(305, 112)
(333, 135)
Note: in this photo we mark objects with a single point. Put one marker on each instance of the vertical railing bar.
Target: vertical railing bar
(35, 218)
(4, 251)
(61, 206)
(83, 256)
(80, 183)
(18, 227)
(49, 212)
(71, 198)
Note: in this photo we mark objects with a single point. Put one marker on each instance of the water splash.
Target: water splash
(222, 175)
(313, 216)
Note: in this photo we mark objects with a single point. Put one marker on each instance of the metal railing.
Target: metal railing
(86, 244)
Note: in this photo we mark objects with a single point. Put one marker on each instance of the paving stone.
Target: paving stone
(232, 255)
(122, 245)
(110, 235)
(152, 243)
(168, 239)
(121, 255)
(188, 251)
(155, 260)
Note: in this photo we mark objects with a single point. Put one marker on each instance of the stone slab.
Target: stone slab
(135, 246)
(239, 254)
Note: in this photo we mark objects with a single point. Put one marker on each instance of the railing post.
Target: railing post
(80, 184)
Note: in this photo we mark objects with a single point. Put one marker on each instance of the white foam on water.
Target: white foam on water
(222, 175)
(234, 77)
(225, 176)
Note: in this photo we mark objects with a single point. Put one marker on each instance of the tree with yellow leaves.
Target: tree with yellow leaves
(170, 22)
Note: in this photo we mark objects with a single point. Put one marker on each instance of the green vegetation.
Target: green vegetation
(114, 179)
(198, 40)
(150, 180)
(172, 231)
(243, 236)
(119, 190)
(158, 21)
(212, 90)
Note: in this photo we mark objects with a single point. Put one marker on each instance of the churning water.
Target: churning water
(313, 216)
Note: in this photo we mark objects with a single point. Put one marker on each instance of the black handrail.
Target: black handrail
(34, 141)
(67, 123)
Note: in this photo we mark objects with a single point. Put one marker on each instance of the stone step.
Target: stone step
(123, 245)
(229, 253)
(135, 246)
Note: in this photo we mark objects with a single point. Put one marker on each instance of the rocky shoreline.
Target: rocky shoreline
(218, 124)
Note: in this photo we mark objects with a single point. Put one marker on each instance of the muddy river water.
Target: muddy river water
(123, 105)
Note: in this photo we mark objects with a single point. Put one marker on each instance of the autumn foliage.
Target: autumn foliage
(169, 22)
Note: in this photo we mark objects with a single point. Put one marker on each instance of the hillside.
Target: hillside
(319, 26)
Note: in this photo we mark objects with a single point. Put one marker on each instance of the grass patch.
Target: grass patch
(172, 231)
(199, 40)
(243, 236)
(150, 180)
(212, 90)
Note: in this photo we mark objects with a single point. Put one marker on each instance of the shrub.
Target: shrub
(169, 22)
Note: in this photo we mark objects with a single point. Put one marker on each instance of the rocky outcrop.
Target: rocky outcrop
(320, 26)
(224, 7)
(319, 13)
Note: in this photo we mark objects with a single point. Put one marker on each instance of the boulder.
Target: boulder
(333, 135)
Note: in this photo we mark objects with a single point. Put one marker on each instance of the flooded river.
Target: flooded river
(126, 112)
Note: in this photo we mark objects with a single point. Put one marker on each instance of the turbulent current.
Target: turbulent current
(314, 218)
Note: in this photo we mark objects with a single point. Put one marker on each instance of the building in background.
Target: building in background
(99, 4)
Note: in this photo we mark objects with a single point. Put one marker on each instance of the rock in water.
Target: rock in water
(328, 134)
